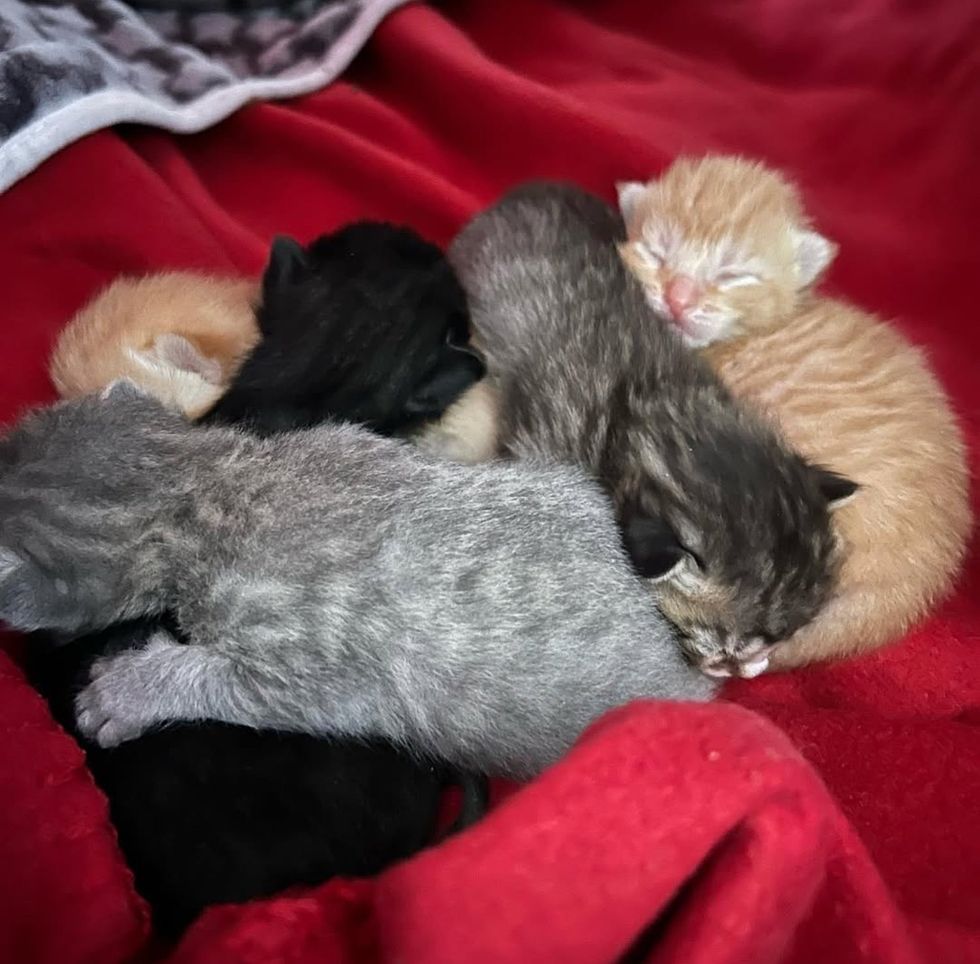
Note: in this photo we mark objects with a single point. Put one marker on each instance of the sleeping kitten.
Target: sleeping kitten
(368, 323)
(730, 525)
(179, 335)
(214, 813)
(725, 250)
(329, 581)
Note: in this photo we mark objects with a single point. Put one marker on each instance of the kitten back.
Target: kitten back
(179, 335)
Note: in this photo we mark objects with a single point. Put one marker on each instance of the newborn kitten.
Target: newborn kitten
(368, 323)
(180, 336)
(329, 581)
(730, 525)
(210, 813)
(725, 250)
(213, 813)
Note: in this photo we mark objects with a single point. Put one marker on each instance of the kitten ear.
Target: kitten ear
(629, 193)
(457, 369)
(287, 263)
(837, 489)
(652, 547)
(812, 254)
(176, 351)
(122, 388)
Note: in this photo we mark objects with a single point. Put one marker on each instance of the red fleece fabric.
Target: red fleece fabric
(830, 816)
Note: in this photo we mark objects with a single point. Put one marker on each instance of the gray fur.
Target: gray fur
(587, 375)
(330, 581)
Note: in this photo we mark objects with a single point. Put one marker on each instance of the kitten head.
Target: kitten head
(722, 247)
(76, 489)
(367, 324)
(733, 531)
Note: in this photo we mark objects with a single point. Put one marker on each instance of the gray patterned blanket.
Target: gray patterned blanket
(70, 68)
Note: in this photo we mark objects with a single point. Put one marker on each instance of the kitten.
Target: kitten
(214, 813)
(211, 813)
(368, 322)
(329, 581)
(730, 525)
(725, 250)
(179, 335)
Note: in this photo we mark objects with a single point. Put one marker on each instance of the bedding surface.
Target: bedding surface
(825, 815)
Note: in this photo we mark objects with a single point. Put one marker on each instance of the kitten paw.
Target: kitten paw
(756, 666)
(99, 721)
(116, 704)
(97, 724)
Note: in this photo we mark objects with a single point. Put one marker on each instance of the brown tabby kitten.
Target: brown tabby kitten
(725, 251)
(180, 336)
(729, 526)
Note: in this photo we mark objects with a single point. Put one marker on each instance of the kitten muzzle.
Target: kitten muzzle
(750, 661)
(728, 666)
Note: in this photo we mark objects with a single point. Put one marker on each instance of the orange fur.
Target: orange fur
(181, 336)
(467, 431)
(847, 390)
(723, 215)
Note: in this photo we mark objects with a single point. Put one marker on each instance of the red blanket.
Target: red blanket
(831, 816)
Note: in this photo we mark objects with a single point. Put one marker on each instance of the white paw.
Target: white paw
(753, 667)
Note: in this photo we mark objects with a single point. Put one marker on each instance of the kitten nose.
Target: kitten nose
(680, 294)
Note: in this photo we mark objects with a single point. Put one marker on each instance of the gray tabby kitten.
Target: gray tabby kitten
(330, 581)
(730, 524)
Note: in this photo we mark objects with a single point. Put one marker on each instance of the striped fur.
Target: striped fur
(581, 373)
(179, 335)
(328, 581)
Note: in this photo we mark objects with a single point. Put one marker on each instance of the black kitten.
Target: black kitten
(209, 813)
(367, 324)
(363, 326)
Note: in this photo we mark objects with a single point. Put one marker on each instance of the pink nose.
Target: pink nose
(680, 294)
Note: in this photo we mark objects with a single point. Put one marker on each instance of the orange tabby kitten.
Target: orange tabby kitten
(181, 336)
(725, 251)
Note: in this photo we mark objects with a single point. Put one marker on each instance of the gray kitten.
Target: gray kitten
(330, 581)
(730, 524)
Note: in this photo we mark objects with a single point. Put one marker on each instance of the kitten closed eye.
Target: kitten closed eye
(736, 279)
(649, 255)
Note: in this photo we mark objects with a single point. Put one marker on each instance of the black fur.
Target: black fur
(368, 324)
(362, 326)
(209, 813)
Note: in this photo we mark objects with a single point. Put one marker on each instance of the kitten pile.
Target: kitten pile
(395, 553)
